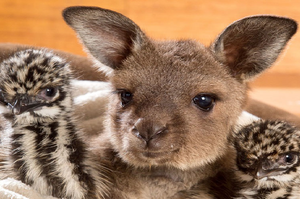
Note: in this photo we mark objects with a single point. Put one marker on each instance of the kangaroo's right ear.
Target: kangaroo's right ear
(251, 45)
(108, 36)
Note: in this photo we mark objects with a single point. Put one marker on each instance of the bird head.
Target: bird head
(268, 153)
(34, 83)
(277, 167)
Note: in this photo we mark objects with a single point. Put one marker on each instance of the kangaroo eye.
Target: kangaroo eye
(126, 97)
(204, 102)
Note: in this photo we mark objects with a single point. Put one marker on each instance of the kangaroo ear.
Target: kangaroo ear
(108, 36)
(252, 44)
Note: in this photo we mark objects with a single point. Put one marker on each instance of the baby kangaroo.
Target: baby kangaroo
(174, 103)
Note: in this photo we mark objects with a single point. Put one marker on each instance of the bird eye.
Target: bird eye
(48, 93)
(287, 159)
(126, 97)
(290, 158)
(204, 102)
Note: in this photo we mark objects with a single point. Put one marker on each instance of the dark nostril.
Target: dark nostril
(147, 130)
(137, 133)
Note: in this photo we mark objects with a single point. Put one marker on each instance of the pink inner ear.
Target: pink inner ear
(107, 35)
(110, 43)
(231, 54)
(251, 45)
(234, 57)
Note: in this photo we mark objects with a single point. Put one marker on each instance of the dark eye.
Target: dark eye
(48, 93)
(204, 102)
(126, 97)
(290, 158)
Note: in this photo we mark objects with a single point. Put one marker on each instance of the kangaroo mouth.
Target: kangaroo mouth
(155, 154)
(158, 154)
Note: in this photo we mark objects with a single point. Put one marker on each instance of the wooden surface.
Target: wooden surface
(39, 23)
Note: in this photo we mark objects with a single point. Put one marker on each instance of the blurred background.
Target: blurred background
(39, 23)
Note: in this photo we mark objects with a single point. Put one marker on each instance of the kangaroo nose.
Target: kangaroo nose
(147, 130)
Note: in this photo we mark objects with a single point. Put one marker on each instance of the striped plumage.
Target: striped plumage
(268, 160)
(45, 148)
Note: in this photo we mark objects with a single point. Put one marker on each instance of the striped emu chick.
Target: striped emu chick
(268, 160)
(45, 148)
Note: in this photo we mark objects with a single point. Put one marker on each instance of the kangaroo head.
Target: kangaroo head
(174, 102)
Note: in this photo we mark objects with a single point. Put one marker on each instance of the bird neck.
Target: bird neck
(49, 156)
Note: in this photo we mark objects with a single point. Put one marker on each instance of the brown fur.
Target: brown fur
(83, 69)
(159, 143)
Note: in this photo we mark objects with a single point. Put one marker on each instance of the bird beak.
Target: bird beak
(24, 103)
(260, 174)
(263, 173)
(266, 170)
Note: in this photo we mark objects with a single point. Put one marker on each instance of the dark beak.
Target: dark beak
(24, 103)
(268, 169)
(262, 173)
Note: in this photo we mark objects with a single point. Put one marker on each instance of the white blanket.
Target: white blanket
(14, 189)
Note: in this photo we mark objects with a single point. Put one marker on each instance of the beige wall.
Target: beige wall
(39, 23)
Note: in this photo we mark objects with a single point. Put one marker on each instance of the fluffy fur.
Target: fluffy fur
(44, 149)
(174, 103)
(268, 160)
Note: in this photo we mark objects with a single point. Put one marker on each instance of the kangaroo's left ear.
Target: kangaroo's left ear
(108, 36)
(251, 45)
